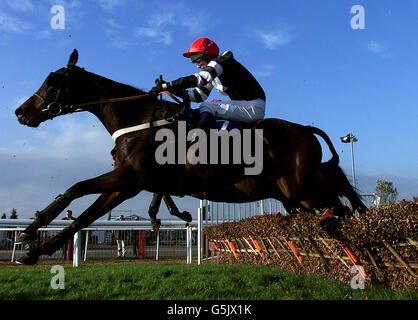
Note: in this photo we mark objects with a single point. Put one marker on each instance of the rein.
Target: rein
(138, 97)
(75, 107)
(55, 109)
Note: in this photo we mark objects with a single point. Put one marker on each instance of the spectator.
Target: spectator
(120, 240)
(35, 214)
(13, 215)
(5, 240)
(67, 248)
(36, 243)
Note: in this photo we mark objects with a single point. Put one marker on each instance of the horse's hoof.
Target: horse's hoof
(156, 223)
(27, 260)
(25, 238)
(186, 216)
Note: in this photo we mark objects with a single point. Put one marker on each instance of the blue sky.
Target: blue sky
(314, 68)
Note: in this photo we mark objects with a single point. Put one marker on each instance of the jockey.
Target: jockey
(222, 72)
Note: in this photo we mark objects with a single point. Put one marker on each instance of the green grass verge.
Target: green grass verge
(180, 281)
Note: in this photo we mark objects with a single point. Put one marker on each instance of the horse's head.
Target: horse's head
(53, 98)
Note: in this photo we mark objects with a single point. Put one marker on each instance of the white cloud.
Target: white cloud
(158, 36)
(11, 24)
(159, 27)
(274, 39)
(111, 23)
(161, 19)
(44, 34)
(70, 149)
(110, 5)
(40, 166)
(375, 47)
(67, 4)
(378, 48)
(86, 137)
(265, 70)
(21, 5)
(117, 35)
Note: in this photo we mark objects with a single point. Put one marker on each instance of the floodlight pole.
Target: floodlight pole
(352, 159)
(350, 138)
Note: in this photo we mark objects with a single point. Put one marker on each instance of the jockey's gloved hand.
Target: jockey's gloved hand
(174, 89)
(161, 85)
(169, 86)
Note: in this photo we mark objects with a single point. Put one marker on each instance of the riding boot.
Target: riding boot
(206, 122)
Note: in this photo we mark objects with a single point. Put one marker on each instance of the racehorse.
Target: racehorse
(292, 169)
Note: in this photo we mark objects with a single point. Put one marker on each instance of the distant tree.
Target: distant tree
(3, 216)
(13, 215)
(386, 191)
(415, 199)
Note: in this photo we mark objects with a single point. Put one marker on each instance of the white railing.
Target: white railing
(17, 225)
(209, 213)
(219, 212)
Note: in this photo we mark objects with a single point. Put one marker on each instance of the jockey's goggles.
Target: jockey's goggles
(196, 58)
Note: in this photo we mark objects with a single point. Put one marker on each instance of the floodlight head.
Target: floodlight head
(345, 139)
(348, 138)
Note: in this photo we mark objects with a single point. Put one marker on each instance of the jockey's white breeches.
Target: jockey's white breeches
(242, 111)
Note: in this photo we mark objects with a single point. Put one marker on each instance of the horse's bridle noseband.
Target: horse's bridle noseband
(55, 108)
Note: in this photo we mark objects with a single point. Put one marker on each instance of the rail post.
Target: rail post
(157, 250)
(76, 249)
(199, 232)
(86, 244)
(141, 244)
(189, 244)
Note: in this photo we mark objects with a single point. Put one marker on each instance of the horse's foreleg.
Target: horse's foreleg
(100, 207)
(108, 182)
(153, 210)
(186, 216)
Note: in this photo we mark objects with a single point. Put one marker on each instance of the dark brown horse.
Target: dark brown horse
(292, 169)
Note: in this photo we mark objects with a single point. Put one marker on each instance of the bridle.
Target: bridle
(55, 109)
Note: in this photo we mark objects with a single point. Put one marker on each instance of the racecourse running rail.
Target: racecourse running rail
(174, 240)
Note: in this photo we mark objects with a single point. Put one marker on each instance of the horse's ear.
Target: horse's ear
(73, 58)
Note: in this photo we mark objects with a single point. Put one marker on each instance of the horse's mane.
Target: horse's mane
(124, 88)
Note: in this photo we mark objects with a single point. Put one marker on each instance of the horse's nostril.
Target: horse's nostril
(19, 112)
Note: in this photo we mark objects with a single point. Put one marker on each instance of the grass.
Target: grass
(180, 282)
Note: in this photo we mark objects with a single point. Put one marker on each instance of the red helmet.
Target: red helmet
(204, 46)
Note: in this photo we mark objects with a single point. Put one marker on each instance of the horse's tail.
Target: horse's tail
(335, 160)
(335, 175)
